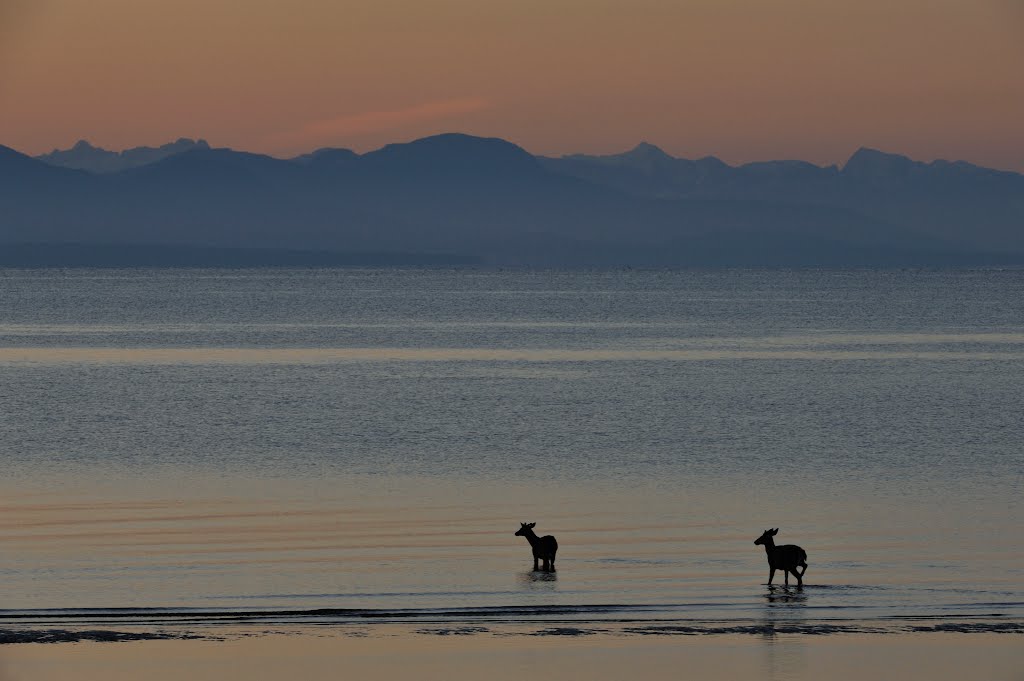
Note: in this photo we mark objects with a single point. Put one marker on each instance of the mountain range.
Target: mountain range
(84, 156)
(456, 199)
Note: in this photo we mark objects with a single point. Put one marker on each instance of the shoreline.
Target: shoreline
(124, 630)
(400, 651)
(575, 621)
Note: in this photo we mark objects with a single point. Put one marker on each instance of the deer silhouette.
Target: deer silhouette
(785, 558)
(544, 548)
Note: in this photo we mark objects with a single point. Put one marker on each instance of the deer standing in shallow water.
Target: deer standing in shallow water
(785, 558)
(544, 548)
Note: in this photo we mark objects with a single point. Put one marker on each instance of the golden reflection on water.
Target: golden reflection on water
(126, 542)
(164, 549)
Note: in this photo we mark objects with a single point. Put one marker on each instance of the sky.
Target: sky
(743, 80)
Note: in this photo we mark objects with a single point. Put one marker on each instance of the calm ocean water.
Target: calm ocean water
(354, 446)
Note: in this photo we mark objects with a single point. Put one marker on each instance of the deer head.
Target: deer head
(524, 529)
(766, 536)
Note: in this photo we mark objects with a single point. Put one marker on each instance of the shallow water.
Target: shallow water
(354, 446)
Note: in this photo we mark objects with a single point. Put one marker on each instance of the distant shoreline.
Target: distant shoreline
(40, 256)
(131, 256)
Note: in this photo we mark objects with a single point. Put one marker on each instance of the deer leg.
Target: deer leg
(535, 563)
(786, 575)
(552, 563)
(771, 575)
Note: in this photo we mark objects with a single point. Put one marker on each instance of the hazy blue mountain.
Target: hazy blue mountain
(17, 168)
(967, 206)
(35, 197)
(328, 155)
(84, 156)
(964, 204)
(458, 199)
(645, 170)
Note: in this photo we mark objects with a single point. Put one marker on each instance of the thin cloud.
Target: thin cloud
(340, 127)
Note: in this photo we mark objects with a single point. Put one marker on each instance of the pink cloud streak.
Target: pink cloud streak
(333, 129)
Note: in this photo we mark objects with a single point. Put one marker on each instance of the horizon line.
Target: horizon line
(838, 165)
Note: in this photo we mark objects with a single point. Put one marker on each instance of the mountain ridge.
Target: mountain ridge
(488, 200)
(861, 157)
(84, 156)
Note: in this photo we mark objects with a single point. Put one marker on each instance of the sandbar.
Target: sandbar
(400, 652)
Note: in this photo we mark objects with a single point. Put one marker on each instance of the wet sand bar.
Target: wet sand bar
(401, 653)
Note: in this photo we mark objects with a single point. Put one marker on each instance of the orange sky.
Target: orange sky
(741, 79)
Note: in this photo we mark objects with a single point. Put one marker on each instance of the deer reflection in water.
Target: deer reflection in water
(783, 594)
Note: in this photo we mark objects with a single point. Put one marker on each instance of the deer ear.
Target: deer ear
(532, 525)
(775, 531)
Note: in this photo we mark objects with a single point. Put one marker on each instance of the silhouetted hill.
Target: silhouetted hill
(645, 170)
(16, 167)
(328, 156)
(35, 196)
(84, 156)
(892, 172)
(199, 167)
(457, 198)
(969, 207)
(964, 204)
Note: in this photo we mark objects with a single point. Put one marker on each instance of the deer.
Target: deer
(544, 548)
(786, 558)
